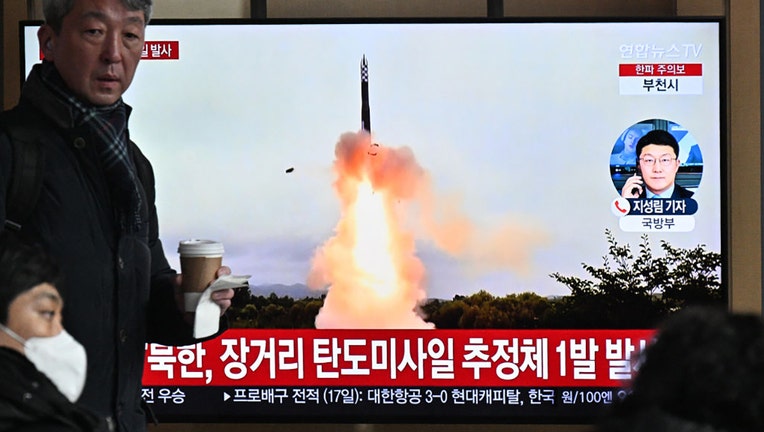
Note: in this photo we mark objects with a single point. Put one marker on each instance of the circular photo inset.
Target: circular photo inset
(656, 158)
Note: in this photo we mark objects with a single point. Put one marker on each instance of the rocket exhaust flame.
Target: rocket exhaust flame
(376, 279)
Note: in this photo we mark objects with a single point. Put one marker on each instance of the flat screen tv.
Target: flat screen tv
(475, 256)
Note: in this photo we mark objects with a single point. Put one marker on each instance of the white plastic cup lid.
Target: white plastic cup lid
(200, 248)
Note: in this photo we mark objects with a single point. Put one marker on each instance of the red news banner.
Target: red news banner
(401, 358)
(161, 50)
(660, 69)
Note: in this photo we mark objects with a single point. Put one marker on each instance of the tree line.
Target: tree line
(631, 289)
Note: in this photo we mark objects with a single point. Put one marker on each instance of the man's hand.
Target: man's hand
(222, 298)
(632, 183)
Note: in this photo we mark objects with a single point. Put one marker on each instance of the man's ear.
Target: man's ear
(47, 39)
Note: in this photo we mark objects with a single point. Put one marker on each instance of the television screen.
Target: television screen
(493, 249)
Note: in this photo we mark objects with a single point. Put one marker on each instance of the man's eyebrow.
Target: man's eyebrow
(94, 14)
(136, 19)
(102, 17)
(50, 296)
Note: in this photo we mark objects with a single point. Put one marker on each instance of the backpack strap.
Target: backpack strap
(27, 168)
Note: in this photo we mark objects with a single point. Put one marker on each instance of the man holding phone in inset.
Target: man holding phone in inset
(657, 165)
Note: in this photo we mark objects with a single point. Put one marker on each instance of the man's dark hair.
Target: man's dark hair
(55, 10)
(657, 137)
(23, 265)
(705, 368)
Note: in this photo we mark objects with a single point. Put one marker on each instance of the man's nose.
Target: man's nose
(57, 327)
(112, 48)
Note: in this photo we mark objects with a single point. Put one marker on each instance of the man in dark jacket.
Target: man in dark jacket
(95, 213)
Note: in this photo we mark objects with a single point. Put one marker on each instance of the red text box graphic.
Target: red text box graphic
(161, 50)
(660, 69)
(400, 358)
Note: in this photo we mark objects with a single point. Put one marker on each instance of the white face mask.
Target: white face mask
(61, 358)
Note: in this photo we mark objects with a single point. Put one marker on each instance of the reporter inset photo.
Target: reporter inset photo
(656, 158)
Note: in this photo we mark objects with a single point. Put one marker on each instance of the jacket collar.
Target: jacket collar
(36, 93)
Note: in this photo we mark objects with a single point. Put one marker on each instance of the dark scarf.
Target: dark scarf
(109, 125)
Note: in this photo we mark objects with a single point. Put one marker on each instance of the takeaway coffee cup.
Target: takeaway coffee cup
(199, 262)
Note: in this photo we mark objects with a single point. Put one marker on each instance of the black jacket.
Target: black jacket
(29, 401)
(118, 289)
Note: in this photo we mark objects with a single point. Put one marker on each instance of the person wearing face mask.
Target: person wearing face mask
(42, 368)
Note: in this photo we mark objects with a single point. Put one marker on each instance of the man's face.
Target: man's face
(658, 175)
(97, 50)
(36, 312)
